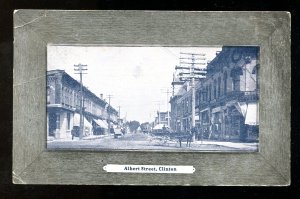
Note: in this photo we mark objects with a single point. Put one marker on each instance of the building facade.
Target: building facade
(63, 107)
(162, 118)
(226, 99)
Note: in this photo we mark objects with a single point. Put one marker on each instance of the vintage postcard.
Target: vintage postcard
(153, 98)
(137, 98)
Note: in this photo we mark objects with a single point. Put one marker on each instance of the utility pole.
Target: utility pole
(190, 72)
(119, 115)
(109, 97)
(80, 69)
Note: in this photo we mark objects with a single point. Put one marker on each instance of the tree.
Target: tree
(145, 127)
(133, 125)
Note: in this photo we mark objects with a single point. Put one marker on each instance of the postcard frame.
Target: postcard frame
(34, 29)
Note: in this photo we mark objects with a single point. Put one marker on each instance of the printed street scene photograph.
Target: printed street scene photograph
(153, 98)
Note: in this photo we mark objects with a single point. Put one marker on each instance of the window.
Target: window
(236, 84)
(63, 95)
(219, 86)
(209, 93)
(187, 105)
(190, 104)
(57, 121)
(48, 94)
(215, 89)
(74, 99)
(206, 94)
(225, 82)
(205, 118)
(70, 98)
(197, 98)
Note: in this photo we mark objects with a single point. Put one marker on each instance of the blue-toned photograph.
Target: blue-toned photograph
(153, 98)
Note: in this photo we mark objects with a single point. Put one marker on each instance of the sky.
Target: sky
(138, 78)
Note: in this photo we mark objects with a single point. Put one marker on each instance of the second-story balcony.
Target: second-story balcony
(241, 96)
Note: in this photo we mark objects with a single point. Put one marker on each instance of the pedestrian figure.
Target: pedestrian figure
(75, 132)
(112, 131)
(164, 129)
(212, 129)
(195, 132)
(202, 132)
(123, 131)
(189, 138)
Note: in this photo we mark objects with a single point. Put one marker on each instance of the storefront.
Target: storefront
(218, 127)
(87, 125)
(205, 122)
(241, 121)
(60, 122)
(100, 127)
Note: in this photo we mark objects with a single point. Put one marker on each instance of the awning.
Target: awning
(231, 103)
(76, 121)
(252, 114)
(241, 107)
(218, 109)
(159, 126)
(101, 123)
(207, 109)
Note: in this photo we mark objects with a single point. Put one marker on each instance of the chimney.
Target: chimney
(101, 96)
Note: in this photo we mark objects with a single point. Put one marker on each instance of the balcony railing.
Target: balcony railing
(241, 96)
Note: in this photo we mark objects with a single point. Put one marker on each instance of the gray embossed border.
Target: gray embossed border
(34, 29)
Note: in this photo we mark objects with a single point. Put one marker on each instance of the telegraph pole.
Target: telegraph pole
(109, 97)
(190, 72)
(80, 68)
(119, 115)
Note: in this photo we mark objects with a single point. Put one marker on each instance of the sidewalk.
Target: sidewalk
(94, 137)
(91, 137)
(236, 145)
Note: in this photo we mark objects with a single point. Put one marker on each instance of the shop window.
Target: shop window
(236, 84)
(57, 121)
(205, 118)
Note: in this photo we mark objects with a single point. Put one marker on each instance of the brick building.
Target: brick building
(63, 107)
(226, 100)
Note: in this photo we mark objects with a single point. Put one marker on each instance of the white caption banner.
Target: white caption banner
(130, 168)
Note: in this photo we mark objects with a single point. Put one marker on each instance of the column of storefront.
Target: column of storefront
(63, 125)
(57, 130)
(222, 123)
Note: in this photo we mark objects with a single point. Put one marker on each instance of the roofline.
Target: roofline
(63, 72)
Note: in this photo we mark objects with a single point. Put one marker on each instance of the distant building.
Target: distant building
(181, 109)
(63, 107)
(162, 118)
(226, 100)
